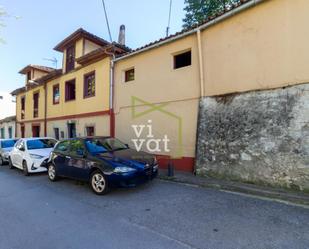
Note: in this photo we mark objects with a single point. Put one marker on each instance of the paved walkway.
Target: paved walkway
(261, 191)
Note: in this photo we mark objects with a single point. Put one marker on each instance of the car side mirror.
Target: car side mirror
(127, 146)
(22, 149)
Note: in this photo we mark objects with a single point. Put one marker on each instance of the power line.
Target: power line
(169, 18)
(107, 22)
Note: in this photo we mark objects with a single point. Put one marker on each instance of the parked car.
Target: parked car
(31, 154)
(6, 145)
(101, 161)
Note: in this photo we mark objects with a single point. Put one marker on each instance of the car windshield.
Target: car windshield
(37, 144)
(101, 145)
(8, 143)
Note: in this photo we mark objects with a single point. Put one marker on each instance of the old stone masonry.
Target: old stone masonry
(258, 137)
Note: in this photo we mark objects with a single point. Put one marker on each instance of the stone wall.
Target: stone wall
(258, 137)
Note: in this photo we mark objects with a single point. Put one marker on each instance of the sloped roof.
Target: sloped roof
(38, 67)
(188, 30)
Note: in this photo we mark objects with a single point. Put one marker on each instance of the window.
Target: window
(182, 60)
(2, 133)
(56, 94)
(72, 130)
(129, 75)
(36, 130)
(10, 132)
(70, 58)
(23, 102)
(89, 85)
(77, 148)
(90, 131)
(37, 144)
(36, 104)
(28, 76)
(57, 133)
(7, 144)
(70, 90)
(63, 146)
(22, 131)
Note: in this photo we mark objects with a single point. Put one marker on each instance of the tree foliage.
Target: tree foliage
(199, 10)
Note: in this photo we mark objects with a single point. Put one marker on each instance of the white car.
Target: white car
(31, 154)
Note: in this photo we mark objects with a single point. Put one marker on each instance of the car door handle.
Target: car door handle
(67, 157)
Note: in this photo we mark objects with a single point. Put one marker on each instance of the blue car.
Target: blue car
(6, 146)
(102, 161)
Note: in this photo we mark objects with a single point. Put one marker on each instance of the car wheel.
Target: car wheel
(52, 173)
(1, 161)
(11, 164)
(25, 168)
(98, 183)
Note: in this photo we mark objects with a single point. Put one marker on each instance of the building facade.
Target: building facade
(7, 127)
(72, 101)
(7, 105)
(194, 74)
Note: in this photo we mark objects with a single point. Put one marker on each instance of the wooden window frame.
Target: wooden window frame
(86, 86)
(54, 87)
(66, 90)
(36, 108)
(23, 107)
(29, 76)
(70, 65)
(90, 126)
(126, 75)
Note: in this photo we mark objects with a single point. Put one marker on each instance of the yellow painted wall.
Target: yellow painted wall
(38, 74)
(157, 82)
(29, 104)
(90, 46)
(263, 47)
(81, 105)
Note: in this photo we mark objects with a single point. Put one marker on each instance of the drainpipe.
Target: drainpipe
(201, 64)
(45, 109)
(111, 94)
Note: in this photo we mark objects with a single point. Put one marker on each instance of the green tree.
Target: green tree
(199, 10)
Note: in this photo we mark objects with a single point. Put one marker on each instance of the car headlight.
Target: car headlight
(34, 156)
(124, 170)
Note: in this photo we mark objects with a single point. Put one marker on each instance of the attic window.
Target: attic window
(182, 60)
(28, 76)
(70, 58)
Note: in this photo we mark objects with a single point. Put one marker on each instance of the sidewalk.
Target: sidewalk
(251, 189)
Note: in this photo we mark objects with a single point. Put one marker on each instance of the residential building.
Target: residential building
(7, 105)
(254, 46)
(72, 101)
(7, 127)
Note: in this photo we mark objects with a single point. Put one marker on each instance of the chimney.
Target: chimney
(122, 35)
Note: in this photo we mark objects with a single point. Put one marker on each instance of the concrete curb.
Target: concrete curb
(250, 189)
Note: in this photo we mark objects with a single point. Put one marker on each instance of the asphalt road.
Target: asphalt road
(38, 214)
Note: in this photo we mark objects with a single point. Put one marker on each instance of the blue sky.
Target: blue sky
(42, 24)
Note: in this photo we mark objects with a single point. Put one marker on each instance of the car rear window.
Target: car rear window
(37, 144)
(8, 143)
